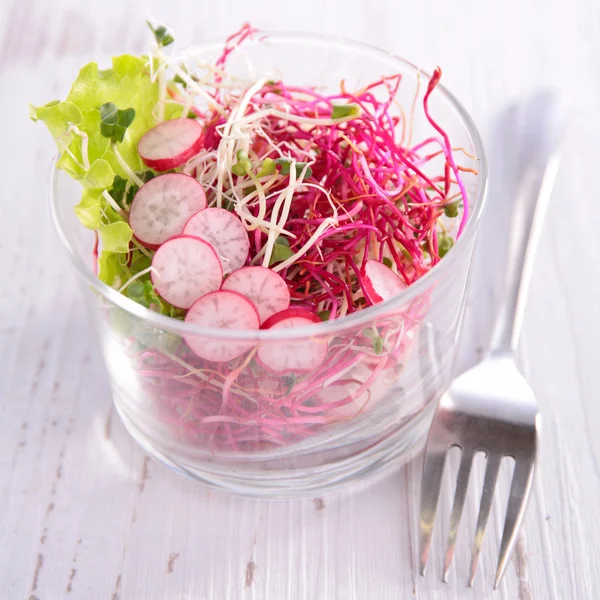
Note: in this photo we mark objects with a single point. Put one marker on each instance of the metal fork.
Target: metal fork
(491, 408)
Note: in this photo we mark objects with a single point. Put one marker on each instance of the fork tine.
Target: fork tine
(431, 480)
(517, 503)
(487, 495)
(460, 494)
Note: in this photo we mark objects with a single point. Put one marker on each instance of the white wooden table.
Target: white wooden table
(85, 514)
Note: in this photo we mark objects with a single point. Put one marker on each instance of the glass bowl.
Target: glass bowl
(243, 428)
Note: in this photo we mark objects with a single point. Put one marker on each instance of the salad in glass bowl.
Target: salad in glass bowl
(264, 249)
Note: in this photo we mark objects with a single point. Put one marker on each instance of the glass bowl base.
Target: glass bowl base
(285, 483)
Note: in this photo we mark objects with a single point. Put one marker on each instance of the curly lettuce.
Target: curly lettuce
(120, 101)
(126, 85)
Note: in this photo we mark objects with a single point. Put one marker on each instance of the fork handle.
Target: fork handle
(543, 129)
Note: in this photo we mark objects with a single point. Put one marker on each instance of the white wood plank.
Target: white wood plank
(83, 512)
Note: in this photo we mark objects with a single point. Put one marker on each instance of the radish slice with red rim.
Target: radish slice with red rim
(224, 232)
(339, 394)
(289, 313)
(380, 282)
(265, 288)
(293, 356)
(185, 268)
(170, 144)
(162, 207)
(222, 310)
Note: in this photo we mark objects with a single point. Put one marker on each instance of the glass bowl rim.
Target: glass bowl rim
(355, 320)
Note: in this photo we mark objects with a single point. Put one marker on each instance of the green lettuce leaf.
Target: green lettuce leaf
(57, 116)
(89, 157)
(113, 268)
(93, 211)
(99, 176)
(126, 84)
(89, 209)
(115, 237)
(140, 262)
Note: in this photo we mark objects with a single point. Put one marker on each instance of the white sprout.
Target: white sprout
(84, 145)
(128, 170)
(137, 276)
(111, 201)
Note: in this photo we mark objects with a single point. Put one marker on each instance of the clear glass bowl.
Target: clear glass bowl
(242, 428)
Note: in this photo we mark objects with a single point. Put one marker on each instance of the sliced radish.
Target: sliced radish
(222, 310)
(339, 394)
(289, 313)
(267, 290)
(293, 356)
(224, 232)
(162, 207)
(185, 268)
(381, 283)
(170, 144)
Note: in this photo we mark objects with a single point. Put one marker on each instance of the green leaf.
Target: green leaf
(243, 166)
(146, 176)
(123, 190)
(161, 35)
(99, 176)
(115, 237)
(285, 165)
(445, 243)
(268, 167)
(166, 342)
(388, 262)
(118, 191)
(57, 116)
(152, 299)
(156, 338)
(139, 262)
(377, 344)
(343, 111)
(178, 79)
(114, 122)
(142, 292)
(281, 251)
(124, 120)
(126, 84)
(238, 169)
(324, 315)
(136, 291)
(289, 381)
(108, 118)
(113, 269)
(131, 192)
(451, 210)
(89, 209)
(244, 160)
(117, 268)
